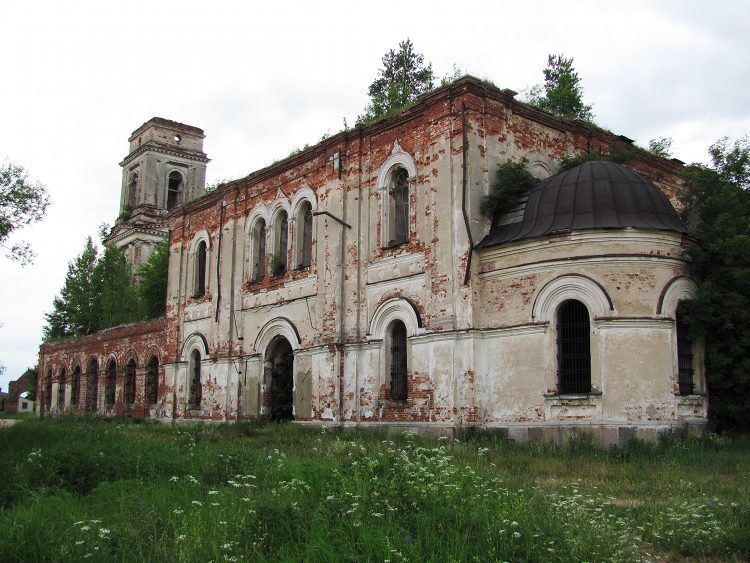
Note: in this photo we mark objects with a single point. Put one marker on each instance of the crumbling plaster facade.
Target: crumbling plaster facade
(480, 347)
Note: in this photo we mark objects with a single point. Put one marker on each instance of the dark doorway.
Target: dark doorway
(280, 366)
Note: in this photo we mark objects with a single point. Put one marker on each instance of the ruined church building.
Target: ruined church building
(358, 283)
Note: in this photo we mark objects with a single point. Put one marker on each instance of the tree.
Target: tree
(75, 312)
(661, 146)
(153, 277)
(22, 202)
(561, 94)
(401, 80)
(716, 209)
(513, 180)
(118, 302)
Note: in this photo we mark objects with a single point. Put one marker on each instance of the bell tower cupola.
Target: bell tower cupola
(164, 169)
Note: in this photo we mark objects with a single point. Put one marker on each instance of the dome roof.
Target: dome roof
(593, 195)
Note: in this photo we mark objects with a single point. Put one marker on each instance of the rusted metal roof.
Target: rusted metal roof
(594, 195)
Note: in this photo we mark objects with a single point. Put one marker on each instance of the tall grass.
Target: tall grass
(111, 490)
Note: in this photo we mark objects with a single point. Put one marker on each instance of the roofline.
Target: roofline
(465, 85)
(169, 124)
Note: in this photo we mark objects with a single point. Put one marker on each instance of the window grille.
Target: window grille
(200, 270)
(398, 362)
(109, 394)
(684, 359)
(130, 383)
(196, 390)
(574, 348)
(152, 381)
(400, 194)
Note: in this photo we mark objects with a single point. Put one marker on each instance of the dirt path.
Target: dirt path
(7, 422)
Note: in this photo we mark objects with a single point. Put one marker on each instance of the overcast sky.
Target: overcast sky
(262, 79)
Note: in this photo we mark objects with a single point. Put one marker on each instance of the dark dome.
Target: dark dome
(594, 195)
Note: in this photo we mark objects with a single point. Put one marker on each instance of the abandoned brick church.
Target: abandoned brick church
(358, 283)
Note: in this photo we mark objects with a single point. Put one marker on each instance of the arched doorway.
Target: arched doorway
(279, 378)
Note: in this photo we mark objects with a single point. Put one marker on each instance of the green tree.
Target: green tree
(401, 80)
(22, 202)
(512, 181)
(75, 312)
(661, 146)
(561, 94)
(118, 302)
(716, 209)
(153, 277)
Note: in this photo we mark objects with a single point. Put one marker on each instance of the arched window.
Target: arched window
(133, 190)
(130, 383)
(48, 391)
(174, 189)
(61, 390)
(573, 348)
(684, 356)
(258, 250)
(110, 387)
(280, 246)
(396, 360)
(152, 381)
(200, 270)
(92, 385)
(75, 390)
(398, 208)
(303, 236)
(196, 391)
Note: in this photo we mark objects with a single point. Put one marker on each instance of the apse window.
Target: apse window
(396, 360)
(573, 348)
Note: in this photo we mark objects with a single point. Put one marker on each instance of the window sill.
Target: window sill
(593, 394)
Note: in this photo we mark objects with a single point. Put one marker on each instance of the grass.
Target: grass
(112, 490)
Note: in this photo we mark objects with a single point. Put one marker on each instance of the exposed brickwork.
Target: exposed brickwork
(477, 354)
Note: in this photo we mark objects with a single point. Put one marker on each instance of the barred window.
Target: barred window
(573, 348)
(196, 391)
(398, 208)
(398, 361)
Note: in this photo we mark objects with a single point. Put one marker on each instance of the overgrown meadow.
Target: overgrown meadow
(77, 489)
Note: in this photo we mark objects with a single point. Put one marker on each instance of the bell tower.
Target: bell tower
(165, 168)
